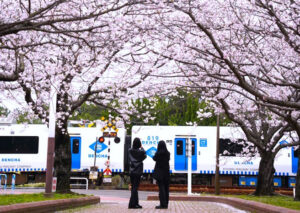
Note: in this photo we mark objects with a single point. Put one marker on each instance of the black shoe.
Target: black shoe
(161, 207)
(138, 206)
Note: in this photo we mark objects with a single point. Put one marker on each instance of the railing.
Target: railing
(80, 184)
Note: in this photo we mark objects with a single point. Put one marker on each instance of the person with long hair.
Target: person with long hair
(162, 173)
(136, 155)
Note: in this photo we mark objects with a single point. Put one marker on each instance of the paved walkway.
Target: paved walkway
(117, 201)
(109, 205)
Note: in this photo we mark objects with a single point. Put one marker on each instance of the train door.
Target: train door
(75, 152)
(294, 159)
(181, 155)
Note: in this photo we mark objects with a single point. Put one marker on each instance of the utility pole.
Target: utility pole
(217, 177)
(51, 141)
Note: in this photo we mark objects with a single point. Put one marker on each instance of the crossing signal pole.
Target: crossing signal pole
(109, 130)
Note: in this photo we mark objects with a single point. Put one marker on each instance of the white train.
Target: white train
(23, 149)
(235, 170)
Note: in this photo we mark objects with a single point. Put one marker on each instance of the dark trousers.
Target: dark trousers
(135, 182)
(163, 186)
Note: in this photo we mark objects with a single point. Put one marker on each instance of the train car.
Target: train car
(86, 150)
(23, 150)
(234, 169)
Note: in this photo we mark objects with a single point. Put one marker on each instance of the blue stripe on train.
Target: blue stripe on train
(237, 172)
(116, 170)
(22, 169)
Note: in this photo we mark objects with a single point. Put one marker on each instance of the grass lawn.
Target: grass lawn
(283, 201)
(8, 199)
(35, 185)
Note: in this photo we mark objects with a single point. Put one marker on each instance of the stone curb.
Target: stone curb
(50, 205)
(247, 205)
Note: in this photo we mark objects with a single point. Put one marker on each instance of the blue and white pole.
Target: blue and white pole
(13, 182)
(189, 154)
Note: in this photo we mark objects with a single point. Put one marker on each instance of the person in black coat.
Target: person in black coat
(162, 173)
(136, 155)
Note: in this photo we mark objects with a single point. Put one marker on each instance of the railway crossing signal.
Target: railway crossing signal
(109, 131)
(101, 139)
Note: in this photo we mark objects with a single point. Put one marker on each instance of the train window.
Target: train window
(234, 148)
(75, 149)
(179, 146)
(226, 148)
(19, 144)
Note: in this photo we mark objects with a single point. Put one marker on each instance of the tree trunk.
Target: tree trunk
(265, 175)
(297, 196)
(62, 161)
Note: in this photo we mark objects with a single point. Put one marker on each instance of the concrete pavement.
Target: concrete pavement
(117, 201)
(149, 206)
(247, 205)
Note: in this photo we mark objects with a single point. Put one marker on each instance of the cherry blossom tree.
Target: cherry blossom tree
(104, 50)
(292, 117)
(249, 47)
(251, 44)
(27, 24)
(77, 81)
(86, 50)
(264, 130)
